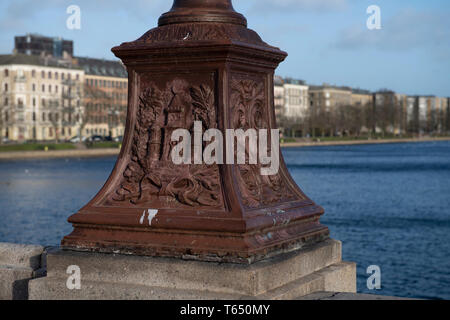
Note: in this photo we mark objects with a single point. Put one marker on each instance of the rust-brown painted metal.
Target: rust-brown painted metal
(201, 63)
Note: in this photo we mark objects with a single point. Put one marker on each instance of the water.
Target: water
(389, 204)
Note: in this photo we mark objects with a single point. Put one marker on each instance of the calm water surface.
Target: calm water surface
(389, 204)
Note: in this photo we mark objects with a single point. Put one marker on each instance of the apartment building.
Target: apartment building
(296, 99)
(290, 98)
(40, 98)
(106, 88)
(361, 97)
(327, 98)
(278, 94)
(36, 45)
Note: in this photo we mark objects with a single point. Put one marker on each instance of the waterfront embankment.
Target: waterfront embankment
(359, 142)
(13, 155)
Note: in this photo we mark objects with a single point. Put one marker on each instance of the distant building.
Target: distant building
(391, 112)
(40, 98)
(278, 96)
(290, 98)
(32, 44)
(327, 98)
(361, 97)
(106, 88)
(296, 99)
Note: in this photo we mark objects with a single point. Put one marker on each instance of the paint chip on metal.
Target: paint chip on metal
(151, 215)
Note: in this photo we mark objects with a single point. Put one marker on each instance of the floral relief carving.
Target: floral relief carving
(151, 178)
(250, 112)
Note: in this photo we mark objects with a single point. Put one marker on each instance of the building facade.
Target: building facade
(106, 88)
(361, 97)
(40, 99)
(296, 99)
(33, 44)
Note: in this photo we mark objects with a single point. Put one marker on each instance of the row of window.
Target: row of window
(49, 88)
(51, 103)
(46, 116)
(50, 75)
(106, 83)
(103, 107)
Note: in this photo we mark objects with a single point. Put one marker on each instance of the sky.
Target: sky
(327, 40)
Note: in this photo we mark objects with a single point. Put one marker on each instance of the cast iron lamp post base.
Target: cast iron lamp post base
(201, 63)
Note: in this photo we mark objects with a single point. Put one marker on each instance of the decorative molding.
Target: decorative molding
(187, 32)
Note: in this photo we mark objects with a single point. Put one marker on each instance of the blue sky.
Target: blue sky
(327, 40)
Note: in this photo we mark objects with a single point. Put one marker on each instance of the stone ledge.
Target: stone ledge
(19, 264)
(109, 276)
(348, 296)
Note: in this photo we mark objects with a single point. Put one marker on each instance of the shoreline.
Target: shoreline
(77, 153)
(360, 142)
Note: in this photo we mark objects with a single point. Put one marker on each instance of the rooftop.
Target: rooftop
(18, 58)
(101, 67)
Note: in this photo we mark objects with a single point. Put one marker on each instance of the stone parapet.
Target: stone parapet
(18, 264)
(111, 276)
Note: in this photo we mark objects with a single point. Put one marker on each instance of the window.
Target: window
(6, 102)
(43, 88)
(34, 102)
(49, 75)
(49, 88)
(6, 87)
(33, 73)
(62, 76)
(43, 75)
(56, 89)
(43, 102)
(56, 75)
(78, 77)
(34, 116)
(43, 116)
(6, 73)
(33, 87)
(50, 132)
(50, 117)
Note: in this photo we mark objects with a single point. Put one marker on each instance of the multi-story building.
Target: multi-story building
(391, 111)
(33, 44)
(327, 97)
(290, 98)
(361, 97)
(296, 99)
(278, 94)
(106, 87)
(40, 98)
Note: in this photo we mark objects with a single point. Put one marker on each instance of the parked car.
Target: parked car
(6, 140)
(76, 139)
(118, 139)
(96, 138)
